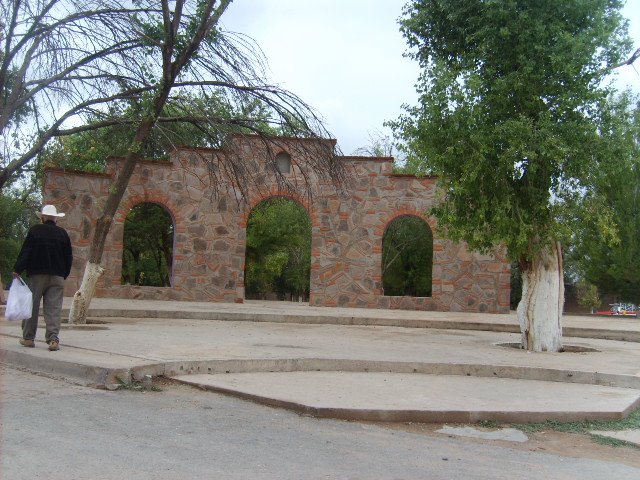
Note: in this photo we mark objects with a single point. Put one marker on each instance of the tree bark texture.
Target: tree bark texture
(540, 310)
(82, 298)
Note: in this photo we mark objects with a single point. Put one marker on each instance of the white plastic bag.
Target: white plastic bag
(20, 301)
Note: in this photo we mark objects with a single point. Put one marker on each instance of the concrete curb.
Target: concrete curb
(106, 376)
(99, 315)
(224, 313)
(94, 376)
(172, 369)
(608, 406)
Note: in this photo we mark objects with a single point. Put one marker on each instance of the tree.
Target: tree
(89, 149)
(60, 60)
(148, 246)
(407, 257)
(604, 249)
(186, 50)
(69, 66)
(508, 120)
(379, 145)
(278, 251)
(16, 216)
(587, 294)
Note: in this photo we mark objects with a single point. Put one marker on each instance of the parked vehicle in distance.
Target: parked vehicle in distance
(621, 308)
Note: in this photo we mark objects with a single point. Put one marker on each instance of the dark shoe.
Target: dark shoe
(54, 345)
(27, 343)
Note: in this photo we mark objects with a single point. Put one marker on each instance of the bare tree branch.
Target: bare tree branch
(628, 61)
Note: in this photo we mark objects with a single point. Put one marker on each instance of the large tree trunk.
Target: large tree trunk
(540, 310)
(82, 298)
(92, 271)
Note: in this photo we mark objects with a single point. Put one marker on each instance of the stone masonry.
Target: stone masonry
(210, 217)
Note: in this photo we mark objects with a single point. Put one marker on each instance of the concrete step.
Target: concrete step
(119, 310)
(404, 319)
(402, 397)
(78, 365)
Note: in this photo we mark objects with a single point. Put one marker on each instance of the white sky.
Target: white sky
(344, 57)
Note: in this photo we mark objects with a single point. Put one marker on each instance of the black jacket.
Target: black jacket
(46, 250)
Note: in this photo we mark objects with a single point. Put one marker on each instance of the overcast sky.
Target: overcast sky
(345, 58)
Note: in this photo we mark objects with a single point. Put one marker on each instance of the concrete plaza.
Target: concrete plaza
(360, 364)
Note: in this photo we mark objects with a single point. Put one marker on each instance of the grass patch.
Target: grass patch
(630, 423)
(488, 424)
(138, 386)
(613, 442)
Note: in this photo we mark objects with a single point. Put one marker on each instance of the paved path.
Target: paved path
(352, 363)
(183, 433)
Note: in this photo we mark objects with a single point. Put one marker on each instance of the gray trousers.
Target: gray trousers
(49, 289)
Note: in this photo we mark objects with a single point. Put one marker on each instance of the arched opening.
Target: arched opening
(147, 251)
(278, 252)
(407, 258)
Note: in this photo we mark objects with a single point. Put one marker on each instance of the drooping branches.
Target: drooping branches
(185, 62)
(71, 66)
(59, 59)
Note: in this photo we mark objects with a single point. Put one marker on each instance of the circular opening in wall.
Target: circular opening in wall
(565, 348)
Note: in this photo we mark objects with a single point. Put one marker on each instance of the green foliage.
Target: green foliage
(588, 295)
(407, 258)
(137, 386)
(278, 252)
(148, 246)
(88, 150)
(507, 118)
(632, 422)
(605, 250)
(16, 216)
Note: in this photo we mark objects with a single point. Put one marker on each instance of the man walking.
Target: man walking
(46, 256)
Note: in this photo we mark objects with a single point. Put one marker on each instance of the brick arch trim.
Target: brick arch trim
(276, 193)
(384, 222)
(150, 197)
(127, 204)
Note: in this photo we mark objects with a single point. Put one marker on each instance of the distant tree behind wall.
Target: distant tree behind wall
(407, 258)
(148, 246)
(88, 150)
(278, 252)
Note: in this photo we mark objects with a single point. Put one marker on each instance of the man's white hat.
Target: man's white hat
(50, 211)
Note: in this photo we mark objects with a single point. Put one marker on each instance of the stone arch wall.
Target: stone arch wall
(210, 230)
